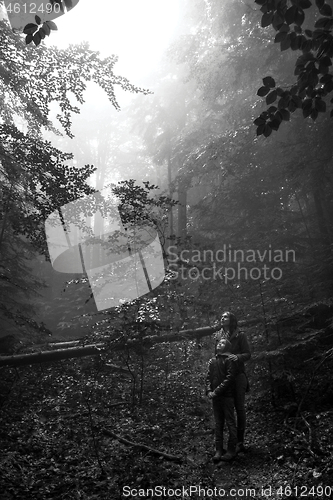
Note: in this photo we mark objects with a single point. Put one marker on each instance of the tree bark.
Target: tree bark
(182, 212)
(171, 231)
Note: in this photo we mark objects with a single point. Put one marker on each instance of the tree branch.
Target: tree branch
(151, 451)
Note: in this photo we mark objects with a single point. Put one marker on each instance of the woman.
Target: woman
(241, 352)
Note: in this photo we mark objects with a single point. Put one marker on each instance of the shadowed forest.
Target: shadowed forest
(221, 160)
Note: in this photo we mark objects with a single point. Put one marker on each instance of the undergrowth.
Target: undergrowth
(55, 420)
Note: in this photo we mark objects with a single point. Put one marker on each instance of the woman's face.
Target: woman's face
(225, 319)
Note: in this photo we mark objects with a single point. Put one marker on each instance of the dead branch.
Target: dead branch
(151, 451)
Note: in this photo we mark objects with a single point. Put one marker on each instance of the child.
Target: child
(220, 380)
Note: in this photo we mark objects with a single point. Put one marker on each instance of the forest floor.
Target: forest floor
(54, 446)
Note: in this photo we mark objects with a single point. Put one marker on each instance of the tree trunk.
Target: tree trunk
(182, 215)
(319, 201)
(170, 195)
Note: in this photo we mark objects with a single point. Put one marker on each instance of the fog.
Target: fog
(201, 100)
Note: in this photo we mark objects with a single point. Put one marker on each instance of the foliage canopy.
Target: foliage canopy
(300, 25)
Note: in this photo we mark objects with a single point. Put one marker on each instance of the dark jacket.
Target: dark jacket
(221, 375)
(240, 346)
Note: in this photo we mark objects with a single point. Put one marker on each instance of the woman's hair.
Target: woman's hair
(233, 321)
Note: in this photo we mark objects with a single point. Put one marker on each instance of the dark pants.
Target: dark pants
(240, 390)
(224, 412)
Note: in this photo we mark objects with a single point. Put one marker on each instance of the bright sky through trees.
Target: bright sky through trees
(136, 31)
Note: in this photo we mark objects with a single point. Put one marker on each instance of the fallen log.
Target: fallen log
(96, 349)
(70, 343)
(151, 451)
(45, 356)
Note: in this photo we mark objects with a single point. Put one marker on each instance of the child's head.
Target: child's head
(223, 346)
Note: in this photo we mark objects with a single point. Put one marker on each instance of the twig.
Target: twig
(152, 451)
(94, 436)
(310, 434)
(326, 356)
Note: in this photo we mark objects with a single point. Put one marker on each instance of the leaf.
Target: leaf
(267, 19)
(328, 87)
(30, 29)
(313, 79)
(320, 105)
(331, 114)
(285, 28)
(52, 25)
(260, 129)
(280, 36)
(285, 114)
(318, 33)
(283, 103)
(278, 116)
(320, 3)
(285, 44)
(306, 112)
(305, 4)
(296, 43)
(326, 61)
(299, 17)
(309, 91)
(326, 78)
(271, 97)
(263, 91)
(307, 107)
(307, 104)
(307, 46)
(323, 69)
(326, 10)
(321, 23)
(304, 58)
(290, 15)
(272, 109)
(47, 29)
(298, 29)
(298, 101)
(69, 4)
(267, 131)
(274, 124)
(291, 106)
(37, 38)
(38, 20)
(268, 81)
(314, 114)
(28, 39)
(259, 121)
(277, 20)
(42, 33)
